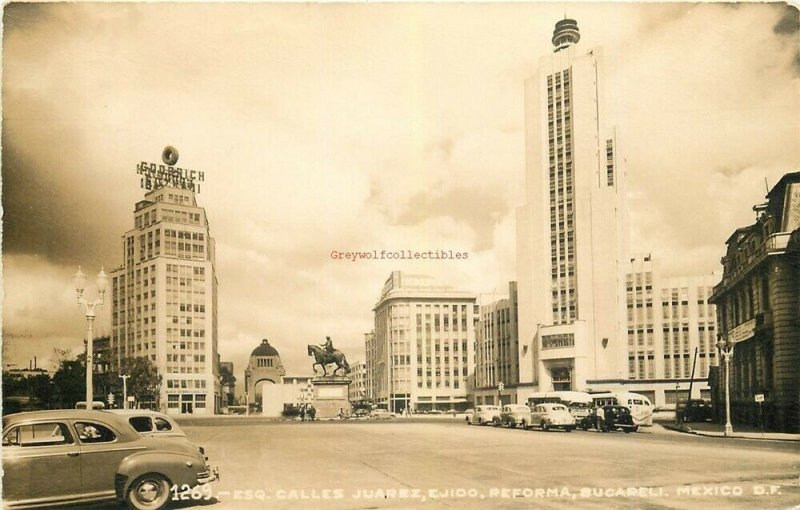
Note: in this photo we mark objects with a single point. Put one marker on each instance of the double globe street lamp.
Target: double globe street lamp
(726, 351)
(79, 279)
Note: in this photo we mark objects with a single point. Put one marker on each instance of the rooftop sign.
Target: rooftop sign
(155, 176)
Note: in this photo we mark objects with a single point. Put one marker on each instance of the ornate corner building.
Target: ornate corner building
(758, 312)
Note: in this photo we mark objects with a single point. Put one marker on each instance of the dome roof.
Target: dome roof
(265, 349)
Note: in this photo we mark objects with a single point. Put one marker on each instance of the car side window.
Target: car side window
(162, 424)
(141, 423)
(38, 434)
(94, 432)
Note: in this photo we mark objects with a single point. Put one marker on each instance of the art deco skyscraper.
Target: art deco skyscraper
(571, 233)
(164, 300)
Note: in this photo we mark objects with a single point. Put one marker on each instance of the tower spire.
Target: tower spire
(565, 34)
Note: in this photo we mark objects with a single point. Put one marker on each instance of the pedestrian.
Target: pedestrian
(302, 412)
(312, 412)
(601, 419)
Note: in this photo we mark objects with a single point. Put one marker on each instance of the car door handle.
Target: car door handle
(73, 454)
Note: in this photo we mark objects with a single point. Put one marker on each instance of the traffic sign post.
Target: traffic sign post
(760, 399)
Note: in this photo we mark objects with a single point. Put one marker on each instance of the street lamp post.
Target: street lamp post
(726, 350)
(79, 279)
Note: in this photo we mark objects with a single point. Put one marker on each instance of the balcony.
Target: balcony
(775, 244)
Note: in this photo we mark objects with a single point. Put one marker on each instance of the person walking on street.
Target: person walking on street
(601, 419)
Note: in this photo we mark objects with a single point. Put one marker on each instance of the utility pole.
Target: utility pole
(124, 390)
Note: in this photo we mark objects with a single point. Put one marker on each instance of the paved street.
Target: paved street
(463, 464)
(444, 463)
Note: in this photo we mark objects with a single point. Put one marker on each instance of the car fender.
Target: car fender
(180, 469)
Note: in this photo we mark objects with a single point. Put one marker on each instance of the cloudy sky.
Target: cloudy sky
(361, 127)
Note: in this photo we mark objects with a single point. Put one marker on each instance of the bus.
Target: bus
(578, 402)
(640, 406)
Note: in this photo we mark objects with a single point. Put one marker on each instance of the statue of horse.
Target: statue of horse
(324, 358)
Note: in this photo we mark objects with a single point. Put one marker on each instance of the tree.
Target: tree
(41, 389)
(144, 381)
(69, 383)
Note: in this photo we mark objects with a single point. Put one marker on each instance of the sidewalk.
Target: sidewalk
(739, 432)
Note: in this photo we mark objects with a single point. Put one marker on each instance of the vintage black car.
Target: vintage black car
(616, 418)
(695, 411)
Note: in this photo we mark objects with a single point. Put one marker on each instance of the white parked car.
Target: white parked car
(512, 415)
(483, 415)
(552, 416)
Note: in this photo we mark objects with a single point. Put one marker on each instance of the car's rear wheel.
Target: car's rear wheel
(148, 492)
(545, 426)
(568, 429)
(524, 424)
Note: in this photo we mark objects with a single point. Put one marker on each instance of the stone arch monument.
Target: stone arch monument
(263, 379)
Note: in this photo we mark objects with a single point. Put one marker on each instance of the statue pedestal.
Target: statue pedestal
(331, 395)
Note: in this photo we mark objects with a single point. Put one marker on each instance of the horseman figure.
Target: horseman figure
(324, 354)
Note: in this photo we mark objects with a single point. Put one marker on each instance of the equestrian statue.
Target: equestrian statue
(325, 354)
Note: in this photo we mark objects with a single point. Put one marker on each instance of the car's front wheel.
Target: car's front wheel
(148, 492)
(545, 426)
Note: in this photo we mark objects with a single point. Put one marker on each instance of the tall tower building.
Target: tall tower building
(571, 232)
(164, 300)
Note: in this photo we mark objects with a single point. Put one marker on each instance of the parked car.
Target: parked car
(483, 415)
(73, 456)
(695, 411)
(150, 423)
(512, 415)
(381, 414)
(361, 413)
(552, 416)
(616, 418)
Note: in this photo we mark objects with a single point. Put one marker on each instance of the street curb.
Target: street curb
(688, 430)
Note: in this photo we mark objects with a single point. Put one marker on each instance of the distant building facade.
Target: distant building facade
(423, 344)
(571, 232)
(369, 366)
(164, 300)
(357, 391)
(758, 311)
(497, 351)
(668, 320)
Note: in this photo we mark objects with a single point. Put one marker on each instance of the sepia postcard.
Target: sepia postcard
(428, 255)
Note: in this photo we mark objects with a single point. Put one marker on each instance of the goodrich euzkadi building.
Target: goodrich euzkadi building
(164, 296)
(571, 237)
